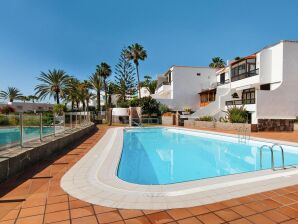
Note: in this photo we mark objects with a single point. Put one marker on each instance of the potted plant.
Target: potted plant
(186, 111)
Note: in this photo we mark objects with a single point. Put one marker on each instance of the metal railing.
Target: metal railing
(163, 83)
(244, 75)
(22, 128)
(240, 102)
(271, 148)
(223, 83)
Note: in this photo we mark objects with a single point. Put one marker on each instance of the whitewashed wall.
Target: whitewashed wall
(281, 103)
(186, 85)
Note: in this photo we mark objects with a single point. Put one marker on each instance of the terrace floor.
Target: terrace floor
(41, 199)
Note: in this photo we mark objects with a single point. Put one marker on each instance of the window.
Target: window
(243, 69)
(222, 78)
(206, 97)
(265, 86)
(248, 96)
(198, 74)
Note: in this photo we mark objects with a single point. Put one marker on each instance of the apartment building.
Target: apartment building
(265, 82)
(179, 86)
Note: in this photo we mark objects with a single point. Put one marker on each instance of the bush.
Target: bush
(59, 109)
(206, 118)
(123, 104)
(163, 109)
(135, 102)
(237, 115)
(4, 120)
(7, 109)
(223, 119)
(149, 105)
(296, 120)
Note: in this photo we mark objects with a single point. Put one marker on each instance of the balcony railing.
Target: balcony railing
(240, 102)
(245, 75)
(162, 84)
(223, 83)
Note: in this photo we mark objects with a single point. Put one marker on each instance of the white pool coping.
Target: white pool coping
(94, 179)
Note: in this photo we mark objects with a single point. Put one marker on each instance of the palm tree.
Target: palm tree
(53, 84)
(136, 52)
(71, 92)
(24, 99)
(96, 84)
(104, 71)
(32, 98)
(11, 94)
(217, 62)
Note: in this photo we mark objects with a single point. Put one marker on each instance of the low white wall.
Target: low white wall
(296, 127)
(120, 112)
(167, 120)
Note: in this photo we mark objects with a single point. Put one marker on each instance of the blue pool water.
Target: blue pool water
(162, 156)
(12, 135)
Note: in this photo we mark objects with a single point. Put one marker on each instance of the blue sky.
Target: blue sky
(75, 35)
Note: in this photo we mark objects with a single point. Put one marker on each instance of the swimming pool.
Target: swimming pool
(102, 176)
(11, 136)
(154, 156)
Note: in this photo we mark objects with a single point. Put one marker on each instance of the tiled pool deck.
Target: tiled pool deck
(45, 201)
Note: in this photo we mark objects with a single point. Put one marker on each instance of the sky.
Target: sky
(76, 35)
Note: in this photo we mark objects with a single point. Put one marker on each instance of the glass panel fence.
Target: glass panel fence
(9, 130)
(47, 124)
(59, 123)
(17, 129)
(31, 127)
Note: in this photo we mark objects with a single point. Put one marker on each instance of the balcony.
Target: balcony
(240, 102)
(163, 84)
(163, 90)
(223, 83)
(245, 75)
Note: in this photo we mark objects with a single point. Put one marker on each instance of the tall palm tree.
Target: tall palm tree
(104, 71)
(136, 52)
(11, 94)
(96, 84)
(53, 84)
(71, 92)
(32, 98)
(217, 62)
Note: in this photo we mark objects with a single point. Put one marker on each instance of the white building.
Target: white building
(266, 83)
(145, 92)
(178, 88)
(29, 107)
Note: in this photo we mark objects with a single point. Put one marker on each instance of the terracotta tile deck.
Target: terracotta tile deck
(45, 201)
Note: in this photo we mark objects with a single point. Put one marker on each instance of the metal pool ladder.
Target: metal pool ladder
(243, 137)
(272, 156)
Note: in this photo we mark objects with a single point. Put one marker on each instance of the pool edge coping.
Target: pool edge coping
(103, 187)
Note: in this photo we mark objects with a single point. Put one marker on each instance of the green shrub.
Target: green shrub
(4, 120)
(135, 102)
(149, 105)
(59, 109)
(123, 104)
(296, 120)
(223, 119)
(206, 118)
(163, 109)
(237, 115)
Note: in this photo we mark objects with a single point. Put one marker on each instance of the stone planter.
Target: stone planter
(219, 125)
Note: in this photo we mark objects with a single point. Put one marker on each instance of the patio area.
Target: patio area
(36, 197)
